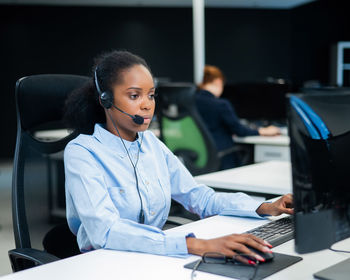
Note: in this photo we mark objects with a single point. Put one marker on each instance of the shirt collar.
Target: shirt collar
(114, 142)
(206, 92)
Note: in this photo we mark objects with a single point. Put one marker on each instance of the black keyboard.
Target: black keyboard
(275, 232)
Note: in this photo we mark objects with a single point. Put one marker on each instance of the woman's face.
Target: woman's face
(135, 96)
(218, 87)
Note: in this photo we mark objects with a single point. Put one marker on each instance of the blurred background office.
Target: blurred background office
(265, 48)
(255, 43)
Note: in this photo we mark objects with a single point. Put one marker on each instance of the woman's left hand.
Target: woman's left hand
(280, 206)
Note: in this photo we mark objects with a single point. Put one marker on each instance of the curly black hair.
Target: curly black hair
(82, 108)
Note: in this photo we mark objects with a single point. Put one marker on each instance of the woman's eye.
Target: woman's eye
(152, 95)
(134, 96)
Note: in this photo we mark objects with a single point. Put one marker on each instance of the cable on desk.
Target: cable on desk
(338, 251)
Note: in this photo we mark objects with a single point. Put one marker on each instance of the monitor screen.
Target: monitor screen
(258, 101)
(319, 128)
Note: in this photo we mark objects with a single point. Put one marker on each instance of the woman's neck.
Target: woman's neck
(128, 136)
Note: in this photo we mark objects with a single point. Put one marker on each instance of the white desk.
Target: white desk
(267, 148)
(108, 264)
(271, 177)
(55, 134)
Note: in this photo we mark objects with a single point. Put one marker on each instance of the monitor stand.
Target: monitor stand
(339, 271)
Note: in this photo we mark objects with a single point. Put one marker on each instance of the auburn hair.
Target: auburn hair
(210, 74)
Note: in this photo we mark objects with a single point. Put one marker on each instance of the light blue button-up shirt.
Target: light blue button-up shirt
(103, 204)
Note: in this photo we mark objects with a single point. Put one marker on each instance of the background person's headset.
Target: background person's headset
(106, 98)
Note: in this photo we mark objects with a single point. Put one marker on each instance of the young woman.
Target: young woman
(220, 116)
(120, 178)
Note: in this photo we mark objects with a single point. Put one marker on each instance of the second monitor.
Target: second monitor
(319, 128)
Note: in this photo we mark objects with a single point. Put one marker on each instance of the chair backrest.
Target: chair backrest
(38, 177)
(182, 129)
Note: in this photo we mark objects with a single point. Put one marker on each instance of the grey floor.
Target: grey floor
(6, 232)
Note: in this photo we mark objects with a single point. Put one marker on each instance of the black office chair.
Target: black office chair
(182, 128)
(41, 236)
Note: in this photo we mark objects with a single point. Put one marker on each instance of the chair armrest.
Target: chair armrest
(243, 153)
(22, 257)
(228, 151)
(179, 221)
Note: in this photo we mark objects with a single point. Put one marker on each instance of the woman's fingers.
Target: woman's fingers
(236, 246)
(241, 241)
(251, 240)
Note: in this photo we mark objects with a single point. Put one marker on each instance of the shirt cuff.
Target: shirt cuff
(248, 211)
(175, 243)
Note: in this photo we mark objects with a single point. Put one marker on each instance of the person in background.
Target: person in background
(220, 117)
(120, 178)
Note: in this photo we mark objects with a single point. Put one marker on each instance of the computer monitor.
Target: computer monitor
(319, 129)
(259, 101)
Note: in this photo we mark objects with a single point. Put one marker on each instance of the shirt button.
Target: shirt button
(121, 191)
(147, 183)
(152, 213)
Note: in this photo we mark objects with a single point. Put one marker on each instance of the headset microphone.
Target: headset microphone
(107, 102)
(136, 118)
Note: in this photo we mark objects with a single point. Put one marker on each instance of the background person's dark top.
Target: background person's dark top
(222, 121)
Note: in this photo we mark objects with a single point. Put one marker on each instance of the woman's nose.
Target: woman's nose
(146, 103)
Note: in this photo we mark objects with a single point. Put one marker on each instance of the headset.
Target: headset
(106, 98)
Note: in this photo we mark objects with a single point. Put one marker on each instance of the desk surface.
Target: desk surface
(55, 134)
(271, 177)
(109, 264)
(280, 140)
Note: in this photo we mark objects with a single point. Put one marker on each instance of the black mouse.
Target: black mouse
(266, 255)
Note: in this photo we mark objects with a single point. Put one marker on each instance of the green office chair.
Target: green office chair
(184, 133)
(38, 176)
(182, 129)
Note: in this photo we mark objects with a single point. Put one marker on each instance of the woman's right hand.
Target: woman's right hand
(229, 245)
(269, 131)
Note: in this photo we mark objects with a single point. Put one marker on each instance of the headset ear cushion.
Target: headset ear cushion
(106, 99)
